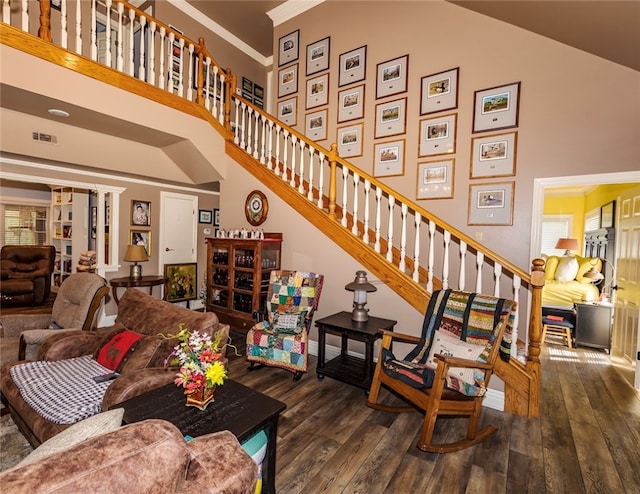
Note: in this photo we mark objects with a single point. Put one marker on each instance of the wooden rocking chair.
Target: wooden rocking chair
(447, 373)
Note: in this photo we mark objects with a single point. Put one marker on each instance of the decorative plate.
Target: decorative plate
(256, 208)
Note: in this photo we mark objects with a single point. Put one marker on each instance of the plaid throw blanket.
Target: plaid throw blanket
(62, 391)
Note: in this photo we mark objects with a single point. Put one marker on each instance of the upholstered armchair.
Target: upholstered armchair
(25, 274)
(75, 307)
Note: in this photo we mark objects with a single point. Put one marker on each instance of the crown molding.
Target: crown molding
(290, 9)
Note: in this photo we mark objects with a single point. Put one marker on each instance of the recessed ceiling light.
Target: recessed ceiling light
(58, 113)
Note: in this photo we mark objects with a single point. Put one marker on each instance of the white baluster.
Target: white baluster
(301, 174)
(221, 101)
(479, 263)
(311, 168)
(6, 12)
(277, 162)
(356, 182)
(292, 181)
(24, 15)
(162, 78)
(264, 140)
(445, 260)
(321, 181)
(78, 28)
(205, 84)
(463, 273)
(181, 73)
(285, 145)
(431, 261)
(236, 130)
(416, 247)
(345, 172)
(392, 201)
(516, 320)
(141, 66)
(497, 272)
(367, 191)
(63, 24)
(131, 64)
(376, 246)
(108, 34)
(403, 238)
(151, 73)
(119, 41)
(270, 148)
(94, 40)
(256, 132)
(191, 71)
(243, 144)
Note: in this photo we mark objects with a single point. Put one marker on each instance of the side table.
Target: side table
(344, 367)
(127, 282)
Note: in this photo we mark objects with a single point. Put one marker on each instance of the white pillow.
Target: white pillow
(567, 269)
(78, 432)
(444, 344)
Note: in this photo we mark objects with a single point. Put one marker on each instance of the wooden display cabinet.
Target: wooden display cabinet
(238, 273)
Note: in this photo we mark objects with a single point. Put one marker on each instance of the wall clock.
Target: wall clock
(256, 208)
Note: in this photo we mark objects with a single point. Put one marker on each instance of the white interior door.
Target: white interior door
(178, 229)
(626, 337)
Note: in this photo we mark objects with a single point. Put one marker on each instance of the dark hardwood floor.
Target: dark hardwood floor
(587, 439)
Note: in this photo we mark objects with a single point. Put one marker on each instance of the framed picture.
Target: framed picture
(491, 204)
(391, 77)
(391, 118)
(247, 96)
(141, 237)
(352, 66)
(438, 135)
(317, 91)
(496, 108)
(607, 215)
(439, 92)
(258, 91)
(182, 281)
(435, 180)
(247, 85)
(388, 158)
(216, 217)
(140, 213)
(494, 155)
(350, 140)
(288, 48)
(288, 111)
(351, 103)
(259, 103)
(288, 80)
(205, 216)
(318, 56)
(316, 125)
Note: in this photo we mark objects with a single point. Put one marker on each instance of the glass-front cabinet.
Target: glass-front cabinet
(238, 273)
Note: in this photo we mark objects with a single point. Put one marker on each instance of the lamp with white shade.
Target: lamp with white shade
(136, 254)
(597, 277)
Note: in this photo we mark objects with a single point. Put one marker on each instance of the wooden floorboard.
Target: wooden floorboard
(586, 439)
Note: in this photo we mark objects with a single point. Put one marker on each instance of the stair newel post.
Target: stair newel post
(200, 72)
(333, 156)
(535, 334)
(44, 32)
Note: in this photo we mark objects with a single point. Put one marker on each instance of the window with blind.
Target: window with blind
(23, 224)
(553, 228)
(592, 220)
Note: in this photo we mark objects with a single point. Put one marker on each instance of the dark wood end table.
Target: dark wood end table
(344, 367)
(236, 408)
(148, 281)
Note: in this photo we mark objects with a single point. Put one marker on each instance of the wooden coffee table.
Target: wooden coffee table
(236, 408)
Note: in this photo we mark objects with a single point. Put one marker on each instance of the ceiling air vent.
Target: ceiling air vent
(48, 138)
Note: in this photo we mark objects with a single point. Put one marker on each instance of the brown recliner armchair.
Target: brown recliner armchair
(25, 274)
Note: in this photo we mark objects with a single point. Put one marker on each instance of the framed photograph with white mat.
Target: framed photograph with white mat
(353, 65)
(391, 118)
(391, 77)
(494, 155)
(288, 80)
(351, 103)
(316, 125)
(491, 203)
(496, 108)
(288, 48)
(317, 91)
(389, 158)
(438, 135)
(439, 92)
(318, 56)
(435, 180)
(288, 111)
(350, 140)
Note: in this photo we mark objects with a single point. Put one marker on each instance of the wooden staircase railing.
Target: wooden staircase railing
(406, 246)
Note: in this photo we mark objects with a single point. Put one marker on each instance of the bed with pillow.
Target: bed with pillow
(565, 283)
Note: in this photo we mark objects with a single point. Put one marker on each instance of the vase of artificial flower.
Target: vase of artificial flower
(200, 358)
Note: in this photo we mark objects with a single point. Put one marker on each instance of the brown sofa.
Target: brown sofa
(25, 274)
(142, 369)
(149, 456)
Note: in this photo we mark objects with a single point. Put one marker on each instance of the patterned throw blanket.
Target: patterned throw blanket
(62, 391)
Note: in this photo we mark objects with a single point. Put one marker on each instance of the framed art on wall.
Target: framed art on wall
(350, 140)
(204, 216)
(388, 158)
(288, 80)
(258, 91)
(352, 66)
(182, 281)
(351, 103)
(247, 85)
(438, 135)
(496, 108)
(318, 56)
(435, 180)
(140, 213)
(494, 155)
(607, 214)
(391, 118)
(141, 237)
(491, 204)
(288, 111)
(439, 92)
(317, 91)
(288, 48)
(391, 77)
(316, 125)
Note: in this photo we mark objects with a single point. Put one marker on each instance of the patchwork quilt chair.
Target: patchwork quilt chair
(281, 340)
(448, 371)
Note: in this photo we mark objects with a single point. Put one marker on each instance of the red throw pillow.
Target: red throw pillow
(555, 318)
(114, 350)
